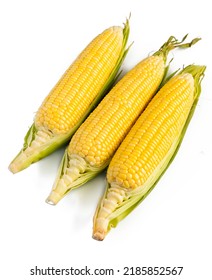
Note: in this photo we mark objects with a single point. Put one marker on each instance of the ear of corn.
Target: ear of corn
(148, 149)
(95, 142)
(76, 94)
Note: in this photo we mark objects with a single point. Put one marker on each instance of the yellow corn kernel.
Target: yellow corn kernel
(99, 136)
(148, 148)
(74, 96)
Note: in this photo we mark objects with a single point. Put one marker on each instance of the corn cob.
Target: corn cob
(95, 142)
(148, 149)
(78, 91)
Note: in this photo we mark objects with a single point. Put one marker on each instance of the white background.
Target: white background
(172, 227)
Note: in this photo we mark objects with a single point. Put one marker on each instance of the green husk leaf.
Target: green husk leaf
(88, 173)
(30, 136)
